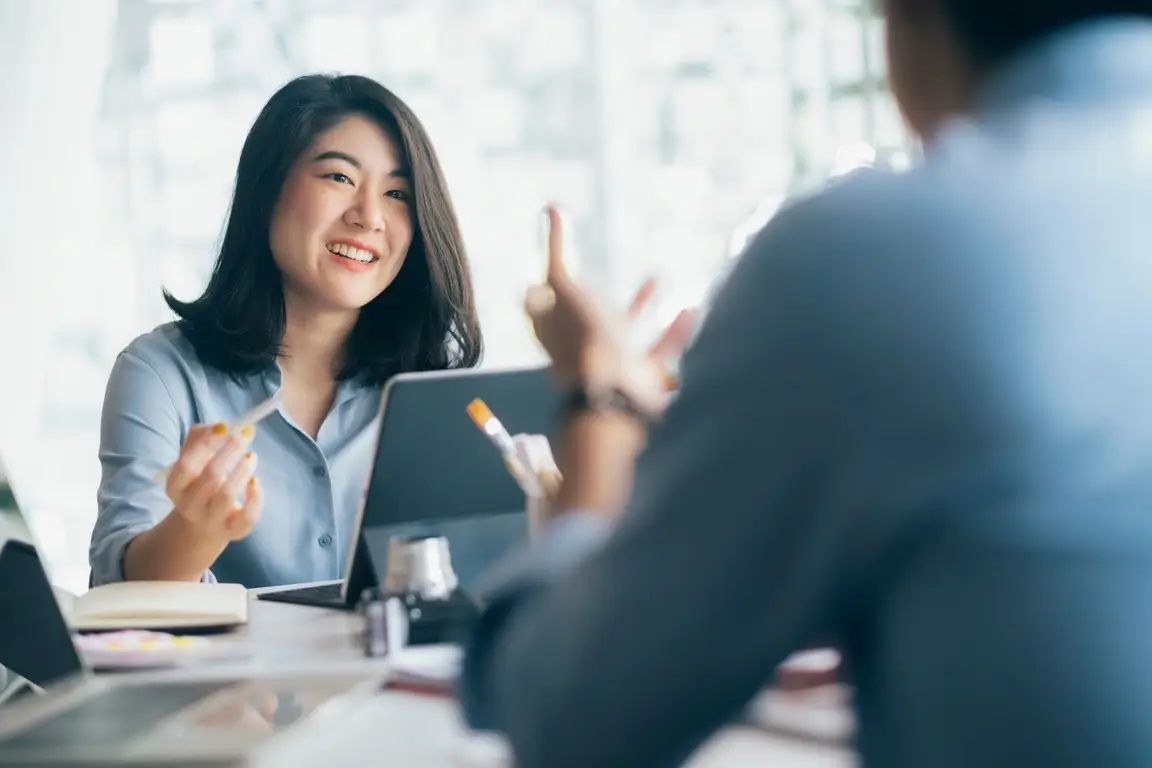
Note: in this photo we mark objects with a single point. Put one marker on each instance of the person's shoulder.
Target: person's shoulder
(166, 350)
(868, 229)
(869, 263)
(162, 345)
(160, 366)
(874, 203)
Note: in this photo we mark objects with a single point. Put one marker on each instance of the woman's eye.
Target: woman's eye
(398, 194)
(339, 178)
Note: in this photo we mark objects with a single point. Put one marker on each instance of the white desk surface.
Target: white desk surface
(418, 731)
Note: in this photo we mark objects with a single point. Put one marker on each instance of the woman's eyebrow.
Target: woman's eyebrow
(403, 172)
(333, 154)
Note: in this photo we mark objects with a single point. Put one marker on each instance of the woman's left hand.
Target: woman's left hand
(588, 344)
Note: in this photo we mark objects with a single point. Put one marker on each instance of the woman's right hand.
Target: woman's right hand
(213, 485)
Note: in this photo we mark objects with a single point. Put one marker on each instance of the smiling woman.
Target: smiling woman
(341, 265)
(329, 161)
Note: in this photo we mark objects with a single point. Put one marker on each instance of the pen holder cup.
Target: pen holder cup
(537, 509)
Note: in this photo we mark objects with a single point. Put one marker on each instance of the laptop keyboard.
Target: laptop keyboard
(320, 593)
(114, 717)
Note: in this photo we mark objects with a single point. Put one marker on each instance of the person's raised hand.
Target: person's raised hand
(589, 344)
(672, 340)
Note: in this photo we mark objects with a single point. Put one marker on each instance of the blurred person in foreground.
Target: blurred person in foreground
(917, 419)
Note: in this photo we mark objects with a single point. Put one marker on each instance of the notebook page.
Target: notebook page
(144, 600)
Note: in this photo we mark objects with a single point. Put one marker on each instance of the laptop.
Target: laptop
(149, 718)
(436, 474)
(35, 642)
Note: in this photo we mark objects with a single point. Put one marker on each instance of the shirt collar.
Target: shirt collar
(1098, 61)
(346, 389)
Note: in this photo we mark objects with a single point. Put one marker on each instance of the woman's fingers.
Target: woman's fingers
(216, 472)
(226, 501)
(241, 523)
(202, 443)
(220, 467)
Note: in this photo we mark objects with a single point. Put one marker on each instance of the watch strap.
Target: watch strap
(583, 398)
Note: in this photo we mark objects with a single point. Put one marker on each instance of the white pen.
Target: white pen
(254, 416)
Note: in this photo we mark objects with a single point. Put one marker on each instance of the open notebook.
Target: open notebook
(157, 605)
(171, 606)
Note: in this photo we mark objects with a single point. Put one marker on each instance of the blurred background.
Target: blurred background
(668, 129)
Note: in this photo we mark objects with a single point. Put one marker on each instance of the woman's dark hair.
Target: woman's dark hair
(425, 320)
(993, 30)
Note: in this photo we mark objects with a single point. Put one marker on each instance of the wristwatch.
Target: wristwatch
(584, 398)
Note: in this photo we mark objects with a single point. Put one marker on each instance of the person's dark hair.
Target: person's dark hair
(993, 30)
(425, 320)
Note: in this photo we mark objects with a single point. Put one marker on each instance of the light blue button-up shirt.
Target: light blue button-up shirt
(158, 390)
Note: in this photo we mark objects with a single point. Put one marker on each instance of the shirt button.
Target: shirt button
(325, 540)
(319, 470)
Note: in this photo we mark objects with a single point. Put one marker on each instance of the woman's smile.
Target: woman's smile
(352, 254)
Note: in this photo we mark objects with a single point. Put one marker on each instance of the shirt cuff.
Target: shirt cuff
(107, 558)
(562, 545)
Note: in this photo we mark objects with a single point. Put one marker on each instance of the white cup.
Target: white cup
(536, 453)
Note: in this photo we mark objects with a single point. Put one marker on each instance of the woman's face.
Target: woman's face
(343, 222)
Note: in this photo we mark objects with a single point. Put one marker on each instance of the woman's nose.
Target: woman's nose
(367, 214)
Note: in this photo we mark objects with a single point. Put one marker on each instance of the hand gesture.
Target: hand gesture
(213, 485)
(588, 344)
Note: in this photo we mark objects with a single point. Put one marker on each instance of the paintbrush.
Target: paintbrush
(483, 417)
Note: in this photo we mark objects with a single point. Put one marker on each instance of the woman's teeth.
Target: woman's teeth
(348, 252)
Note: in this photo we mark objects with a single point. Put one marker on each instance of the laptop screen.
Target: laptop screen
(35, 641)
(475, 544)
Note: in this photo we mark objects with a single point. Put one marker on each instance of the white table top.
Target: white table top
(421, 732)
(418, 731)
(285, 641)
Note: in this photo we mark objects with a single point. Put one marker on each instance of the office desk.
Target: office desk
(286, 644)
(282, 637)
(416, 731)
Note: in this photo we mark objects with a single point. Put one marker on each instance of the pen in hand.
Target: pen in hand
(252, 417)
